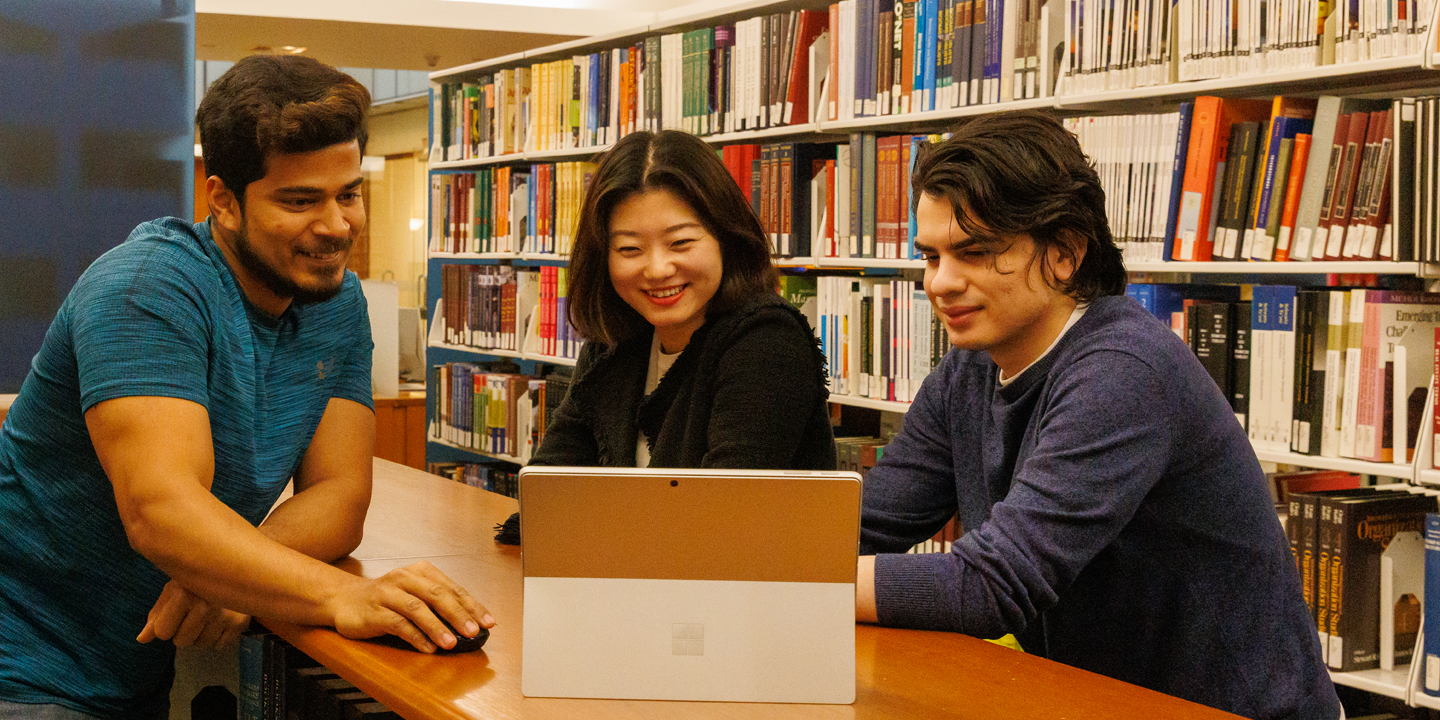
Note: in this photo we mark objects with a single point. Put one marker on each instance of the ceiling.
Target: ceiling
(362, 45)
(412, 35)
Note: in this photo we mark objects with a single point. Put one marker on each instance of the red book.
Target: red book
(903, 193)
(1294, 186)
(1346, 180)
(1365, 187)
(1376, 220)
(887, 159)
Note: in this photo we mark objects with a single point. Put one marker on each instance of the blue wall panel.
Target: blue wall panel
(97, 103)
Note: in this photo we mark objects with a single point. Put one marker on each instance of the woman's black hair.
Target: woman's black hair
(686, 167)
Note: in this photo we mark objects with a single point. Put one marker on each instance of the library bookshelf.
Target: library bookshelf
(600, 108)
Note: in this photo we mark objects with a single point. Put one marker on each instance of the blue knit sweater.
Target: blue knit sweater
(1116, 520)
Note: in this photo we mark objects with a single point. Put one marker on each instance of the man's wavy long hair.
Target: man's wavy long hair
(1013, 173)
(269, 104)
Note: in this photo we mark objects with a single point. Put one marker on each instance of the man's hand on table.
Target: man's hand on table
(405, 603)
(185, 619)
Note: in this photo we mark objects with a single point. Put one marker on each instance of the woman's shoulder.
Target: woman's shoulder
(764, 314)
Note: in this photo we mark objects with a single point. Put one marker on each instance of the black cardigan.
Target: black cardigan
(748, 392)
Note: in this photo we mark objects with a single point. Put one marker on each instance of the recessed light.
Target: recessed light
(292, 49)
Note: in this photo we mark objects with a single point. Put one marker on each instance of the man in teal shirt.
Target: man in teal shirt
(190, 374)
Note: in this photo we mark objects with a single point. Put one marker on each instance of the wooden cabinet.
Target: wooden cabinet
(400, 429)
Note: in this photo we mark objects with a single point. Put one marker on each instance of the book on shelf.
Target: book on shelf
(1210, 128)
(1430, 645)
(1361, 527)
(1288, 117)
(878, 336)
(490, 412)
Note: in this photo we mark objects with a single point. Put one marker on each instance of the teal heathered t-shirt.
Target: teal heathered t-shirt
(159, 315)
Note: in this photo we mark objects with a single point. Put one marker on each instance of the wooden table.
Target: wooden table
(400, 428)
(899, 673)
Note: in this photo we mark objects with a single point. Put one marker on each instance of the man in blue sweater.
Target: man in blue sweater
(1116, 518)
(191, 373)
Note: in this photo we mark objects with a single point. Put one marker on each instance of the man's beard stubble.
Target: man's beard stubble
(277, 283)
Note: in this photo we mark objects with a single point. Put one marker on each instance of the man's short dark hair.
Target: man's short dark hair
(688, 168)
(269, 104)
(1021, 172)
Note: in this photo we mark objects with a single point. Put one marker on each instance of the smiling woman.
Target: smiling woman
(692, 358)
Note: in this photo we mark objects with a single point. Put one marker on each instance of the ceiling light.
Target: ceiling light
(292, 49)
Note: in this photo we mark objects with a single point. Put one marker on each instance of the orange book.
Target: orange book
(1209, 136)
(1292, 196)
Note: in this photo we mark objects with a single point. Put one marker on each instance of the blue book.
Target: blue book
(1430, 671)
(592, 100)
(994, 27)
(1143, 294)
(917, 64)
(252, 657)
(932, 41)
(1177, 177)
(978, 39)
(1164, 299)
(865, 54)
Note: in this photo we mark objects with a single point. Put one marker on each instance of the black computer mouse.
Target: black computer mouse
(462, 644)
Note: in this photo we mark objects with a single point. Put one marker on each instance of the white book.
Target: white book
(611, 124)
(1009, 27)
(819, 73)
(759, 107)
(843, 231)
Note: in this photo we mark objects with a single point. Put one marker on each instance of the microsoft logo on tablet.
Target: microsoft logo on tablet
(687, 639)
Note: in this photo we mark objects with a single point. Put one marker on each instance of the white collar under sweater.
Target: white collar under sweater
(1075, 315)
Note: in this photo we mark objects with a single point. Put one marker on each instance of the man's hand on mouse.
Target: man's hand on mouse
(187, 619)
(405, 603)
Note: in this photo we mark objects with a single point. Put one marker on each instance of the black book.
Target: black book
(1240, 361)
(1235, 199)
(1211, 327)
(1402, 187)
(1360, 530)
(1311, 414)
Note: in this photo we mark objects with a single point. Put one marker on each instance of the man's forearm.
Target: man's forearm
(213, 552)
(865, 590)
(325, 521)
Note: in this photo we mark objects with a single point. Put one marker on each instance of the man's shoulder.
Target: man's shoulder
(1120, 323)
(167, 252)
